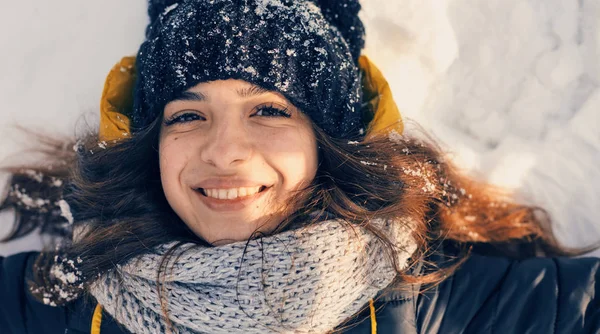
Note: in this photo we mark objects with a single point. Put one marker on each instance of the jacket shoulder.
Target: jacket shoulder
(540, 295)
(21, 313)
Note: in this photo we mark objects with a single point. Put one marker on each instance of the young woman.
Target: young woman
(250, 176)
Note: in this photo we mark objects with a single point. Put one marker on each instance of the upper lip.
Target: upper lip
(227, 183)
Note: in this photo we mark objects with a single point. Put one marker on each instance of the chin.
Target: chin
(241, 233)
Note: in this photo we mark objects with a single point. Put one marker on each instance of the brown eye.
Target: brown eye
(271, 111)
(183, 118)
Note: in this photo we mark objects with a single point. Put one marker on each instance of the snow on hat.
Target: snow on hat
(306, 50)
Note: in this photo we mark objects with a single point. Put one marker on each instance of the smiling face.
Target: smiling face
(231, 156)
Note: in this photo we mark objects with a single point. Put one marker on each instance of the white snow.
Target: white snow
(65, 210)
(170, 8)
(34, 175)
(509, 86)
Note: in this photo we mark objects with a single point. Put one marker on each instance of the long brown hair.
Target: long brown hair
(119, 209)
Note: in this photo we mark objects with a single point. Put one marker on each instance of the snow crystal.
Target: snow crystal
(321, 66)
(47, 301)
(474, 235)
(180, 70)
(39, 177)
(428, 187)
(56, 182)
(412, 172)
(65, 210)
(353, 142)
(316, 26)
(283, 86)
(321, 51)
(261, 6)
(395, 137)
(170, 8)
(290, 52)
(310, 14)
(102, 145)
(59, 273)
(78, 145)
(367, 163)
(191, 55)
(251, 70)
(26, 200)
(69, 279)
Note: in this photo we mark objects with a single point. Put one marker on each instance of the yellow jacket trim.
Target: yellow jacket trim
(96, 320)
(378, 93)
(373, 318)
(117, 101)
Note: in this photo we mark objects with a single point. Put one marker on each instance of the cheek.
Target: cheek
(293, 154)
(171, 163)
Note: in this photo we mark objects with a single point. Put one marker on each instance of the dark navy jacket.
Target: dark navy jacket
(486, 295)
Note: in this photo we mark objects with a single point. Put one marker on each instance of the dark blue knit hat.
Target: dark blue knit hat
(306, 50)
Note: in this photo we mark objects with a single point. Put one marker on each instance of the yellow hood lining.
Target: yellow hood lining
(116, 103)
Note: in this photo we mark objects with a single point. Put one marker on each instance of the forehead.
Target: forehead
(238, 88)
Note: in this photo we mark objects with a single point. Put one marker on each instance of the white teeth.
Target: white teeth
(232, 193)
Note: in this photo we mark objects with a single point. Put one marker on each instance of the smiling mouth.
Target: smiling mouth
(231, 193)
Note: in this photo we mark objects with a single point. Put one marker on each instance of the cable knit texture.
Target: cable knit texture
(307, 280)
(307, 53)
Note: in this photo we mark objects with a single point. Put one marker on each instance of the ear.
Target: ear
(116, 103)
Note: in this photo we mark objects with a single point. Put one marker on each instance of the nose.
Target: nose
(226, 145)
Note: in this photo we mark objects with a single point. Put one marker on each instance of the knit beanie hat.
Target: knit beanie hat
(307, 50)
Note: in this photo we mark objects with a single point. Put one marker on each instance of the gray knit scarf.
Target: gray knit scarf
(307, 280)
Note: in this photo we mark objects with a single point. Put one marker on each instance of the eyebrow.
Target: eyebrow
(247, 92)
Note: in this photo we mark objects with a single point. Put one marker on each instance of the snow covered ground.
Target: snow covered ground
(509, 86)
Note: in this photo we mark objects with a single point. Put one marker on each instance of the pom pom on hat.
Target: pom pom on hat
(343, 14)
(156, 7)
